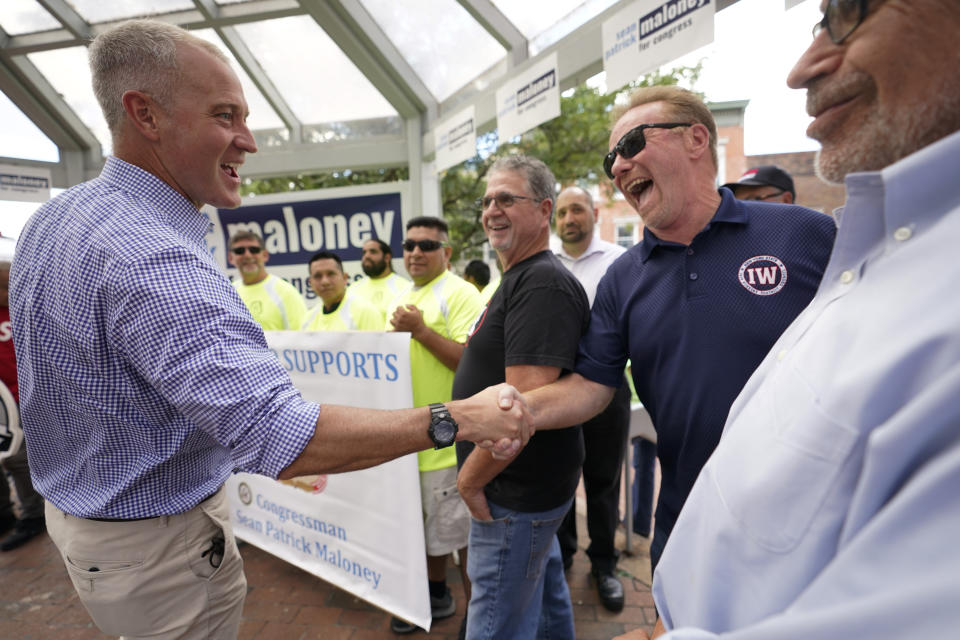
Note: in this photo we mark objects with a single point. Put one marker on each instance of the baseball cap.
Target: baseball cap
(767, 174)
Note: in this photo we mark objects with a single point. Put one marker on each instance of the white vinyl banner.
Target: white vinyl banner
(24, 184)
(456, 139)
(528, 99)
(363, 530)
(651, 33)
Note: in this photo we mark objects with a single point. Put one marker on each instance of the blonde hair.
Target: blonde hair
(684, 106)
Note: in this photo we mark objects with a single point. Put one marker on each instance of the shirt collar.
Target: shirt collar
(172, 207)
(730, 211)
(595, 246)
(908, 196)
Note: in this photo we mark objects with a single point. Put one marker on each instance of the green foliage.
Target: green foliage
(323, 180)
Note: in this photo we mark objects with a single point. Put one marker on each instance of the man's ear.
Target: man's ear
(142, 114)
(546, 205)
(699, 139)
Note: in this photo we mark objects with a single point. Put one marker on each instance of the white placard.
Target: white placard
(792, 3)
(456, 139)
(24, 184)
(651, 33)
(528, 99)
(362, 530)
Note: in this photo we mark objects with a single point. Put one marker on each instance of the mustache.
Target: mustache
(823, 93)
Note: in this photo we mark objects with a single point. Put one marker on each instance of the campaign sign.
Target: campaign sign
(363, 530)
(295, 226)
(651, 33)
(455, 139)
(530, 98)
(24, 184)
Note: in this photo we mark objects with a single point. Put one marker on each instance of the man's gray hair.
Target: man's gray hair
(539, 177)
(139, 55)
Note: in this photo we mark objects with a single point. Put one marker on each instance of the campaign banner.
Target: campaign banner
(792, 3)
(24, 184)
(363, 530)
(528, 99)
(455, 139)
(651, 33)
(294, 226)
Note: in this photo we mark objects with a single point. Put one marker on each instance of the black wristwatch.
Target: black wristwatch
(443, 428)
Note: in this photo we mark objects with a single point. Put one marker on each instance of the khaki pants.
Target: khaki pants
(156, 578)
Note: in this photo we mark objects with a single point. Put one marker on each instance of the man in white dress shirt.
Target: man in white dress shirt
(830, 508)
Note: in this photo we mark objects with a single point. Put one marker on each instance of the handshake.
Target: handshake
(497, 419)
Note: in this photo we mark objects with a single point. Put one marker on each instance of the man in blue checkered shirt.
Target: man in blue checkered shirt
(144, 380)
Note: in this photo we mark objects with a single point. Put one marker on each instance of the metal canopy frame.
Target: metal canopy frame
(355, 32)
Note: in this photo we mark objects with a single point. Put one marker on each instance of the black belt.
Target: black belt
(149, 517)
(122, 519)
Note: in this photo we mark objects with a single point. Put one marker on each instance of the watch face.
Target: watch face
(444, 432)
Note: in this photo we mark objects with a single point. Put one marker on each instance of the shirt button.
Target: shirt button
(846, 277)
(781, 355)
(689, 251)
(902, 233)
(693, 276)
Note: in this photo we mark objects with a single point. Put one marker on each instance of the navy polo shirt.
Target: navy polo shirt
(696, 320)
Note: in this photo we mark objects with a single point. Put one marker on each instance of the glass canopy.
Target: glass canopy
(314, 71)
(332, 84)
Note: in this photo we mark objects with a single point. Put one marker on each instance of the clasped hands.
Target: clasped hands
(496, 419)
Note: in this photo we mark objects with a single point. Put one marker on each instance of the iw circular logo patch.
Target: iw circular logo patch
(763, 275)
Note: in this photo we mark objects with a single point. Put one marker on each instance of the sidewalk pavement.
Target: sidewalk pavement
(37, 601)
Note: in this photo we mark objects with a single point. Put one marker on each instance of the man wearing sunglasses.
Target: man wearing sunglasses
(830, 509)
(438, 311)
(766, 183)
(699, 302)
(528, 337)
(273, 302)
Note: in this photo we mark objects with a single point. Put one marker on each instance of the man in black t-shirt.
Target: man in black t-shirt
(528, 337)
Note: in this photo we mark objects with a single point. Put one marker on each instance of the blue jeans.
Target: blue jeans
(519, 590)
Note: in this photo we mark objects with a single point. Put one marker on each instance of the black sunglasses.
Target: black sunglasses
(238, 251)
(633, 142)
(503, 199)
(841, 18)
(425, 245)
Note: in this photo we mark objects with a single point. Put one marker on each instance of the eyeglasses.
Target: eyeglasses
(238, 251)
(841, 18)
(766, 197)
(425, 245)
(504, 200)
(633, 142)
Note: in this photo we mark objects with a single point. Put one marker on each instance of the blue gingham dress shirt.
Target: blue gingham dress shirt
(144, 382)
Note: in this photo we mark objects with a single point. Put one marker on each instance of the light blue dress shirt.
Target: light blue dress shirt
(831, 508)
(144, 382)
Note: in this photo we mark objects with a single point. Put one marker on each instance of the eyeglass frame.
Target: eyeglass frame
(418, 244)
(239, 251)
(498, 198)
(618, 148)
(824, 23)
(766, 197)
